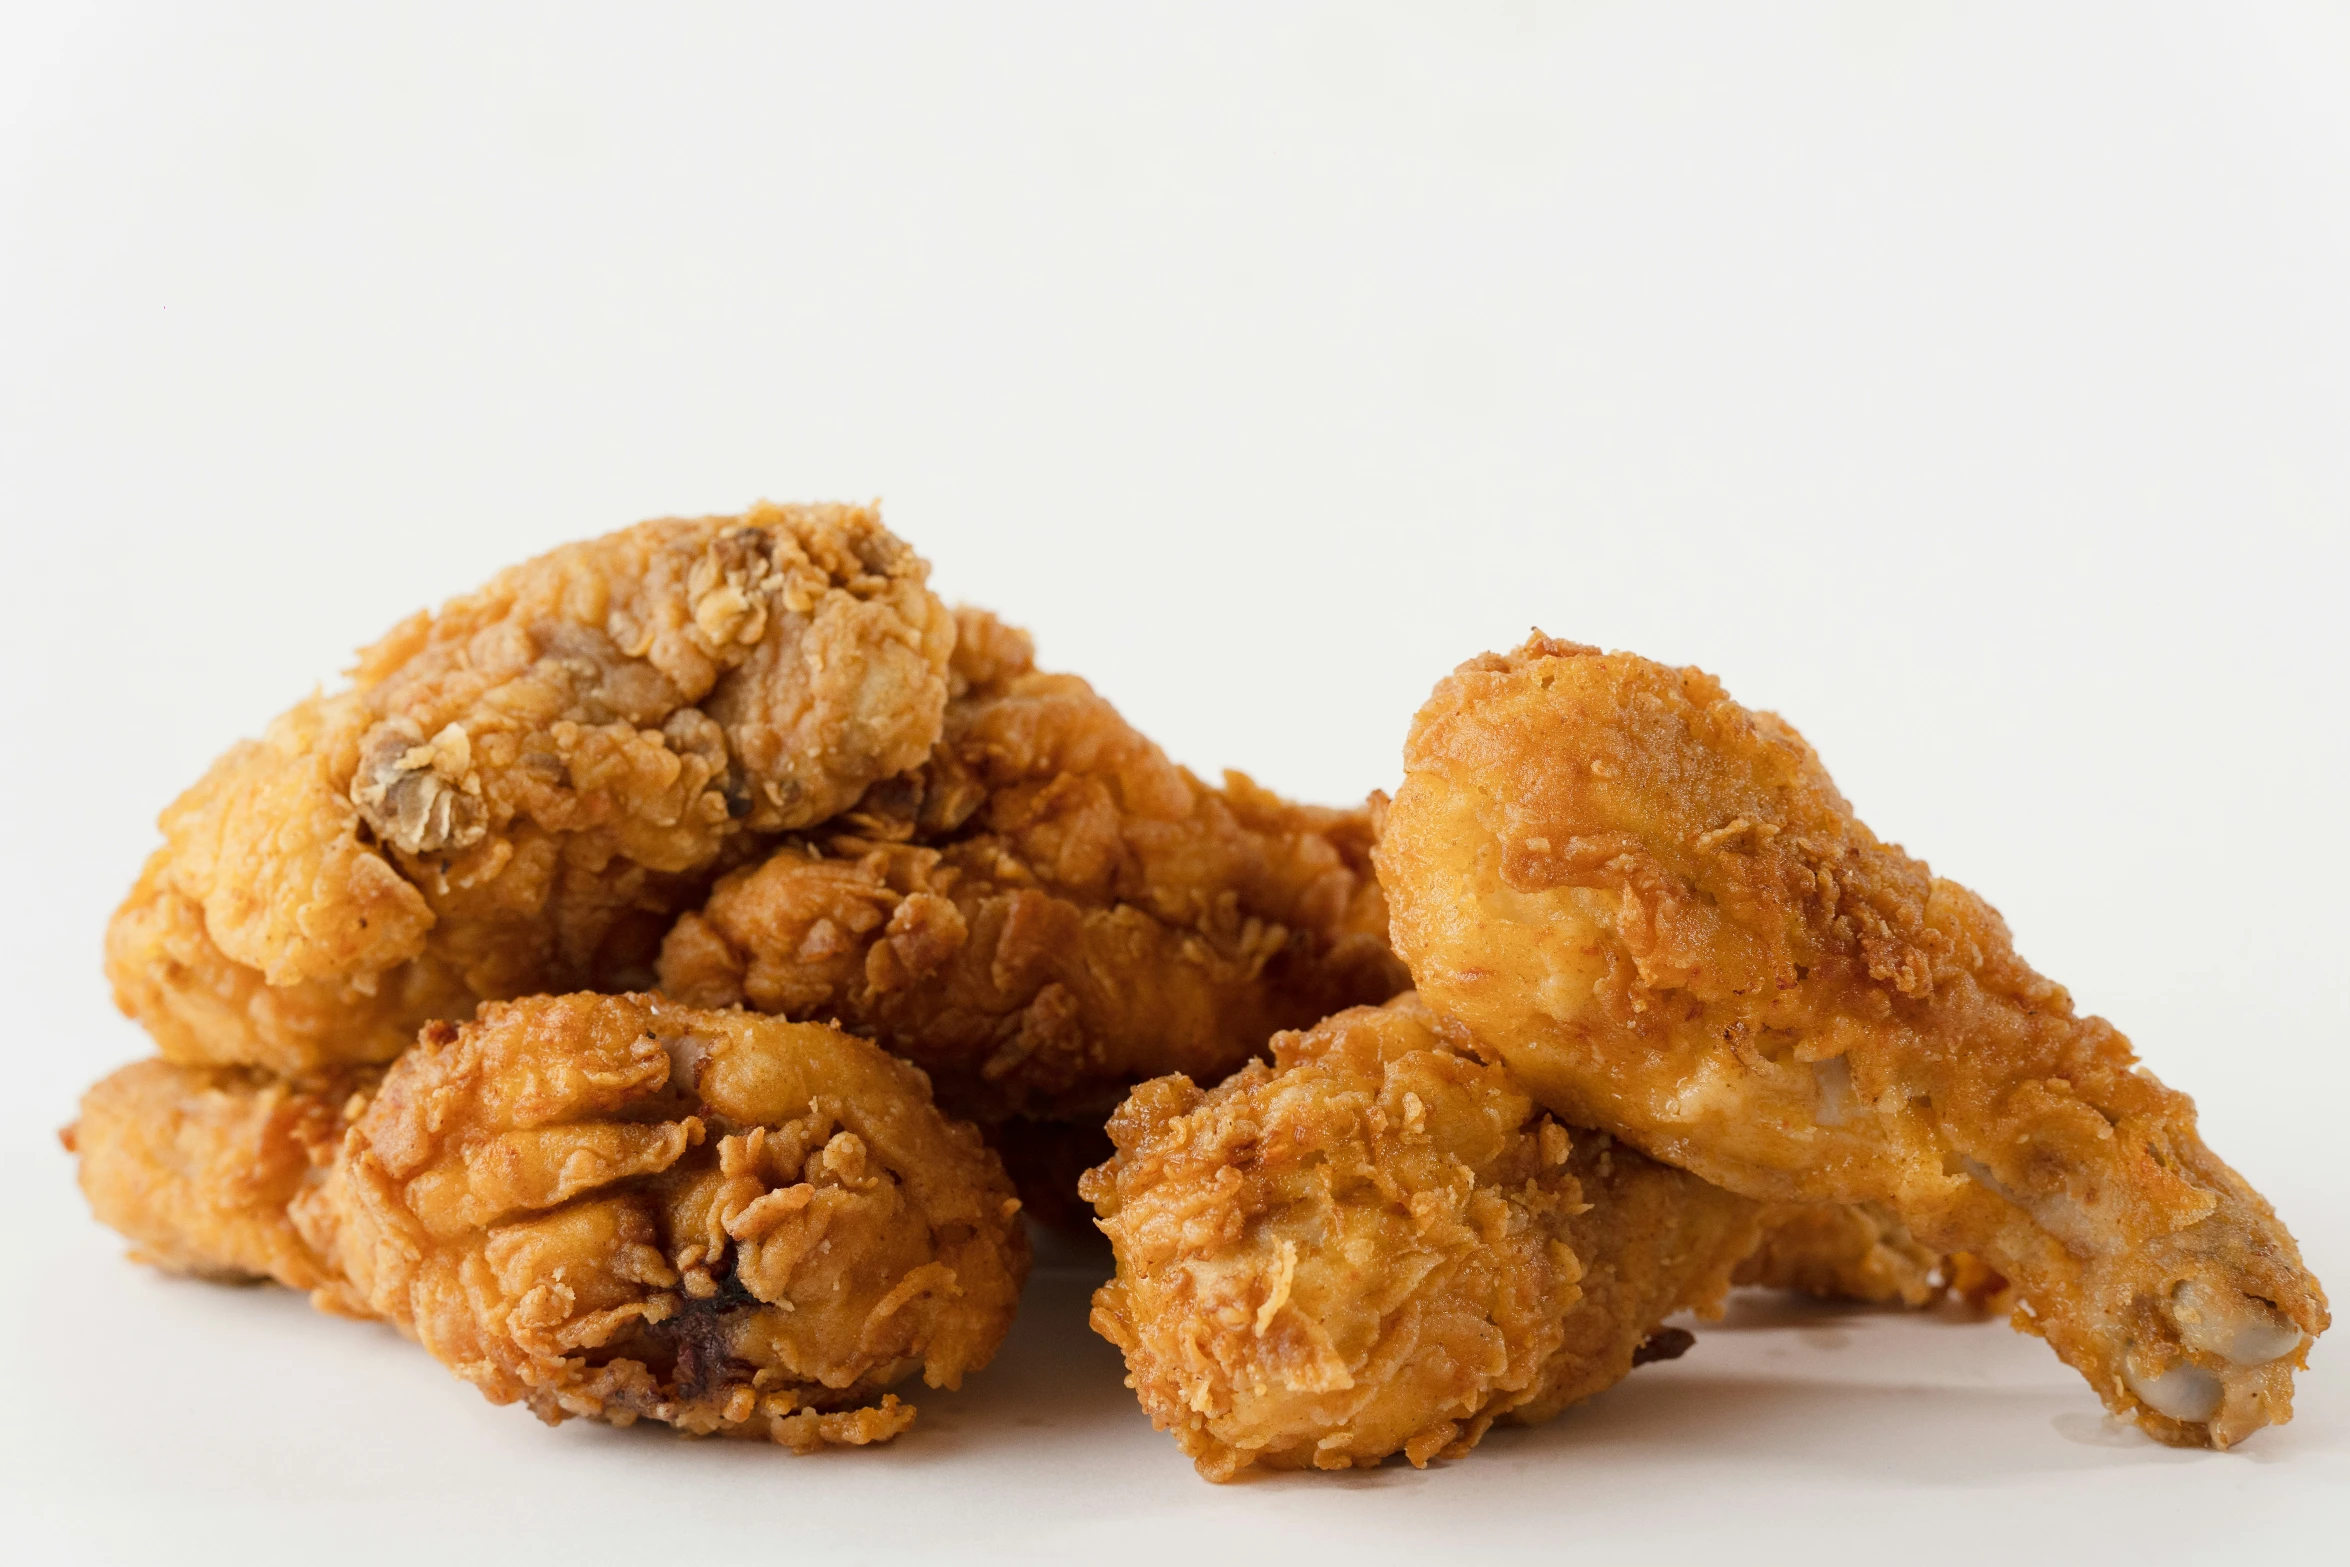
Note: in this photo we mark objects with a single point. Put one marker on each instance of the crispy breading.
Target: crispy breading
(218, 1172)
(1657, 908)
(1050, 909)
(1842, 1251)
(519, 793)
(1379, 1245)
(1860, 1252)
(622, 1208)
(198, 1005)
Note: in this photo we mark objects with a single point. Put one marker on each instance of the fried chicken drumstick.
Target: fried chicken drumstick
(602, 1205)
(1379, 1245)
(1050, 910)
(221, 1172)
(621, 1208)
(519, 793)
(1657, 908)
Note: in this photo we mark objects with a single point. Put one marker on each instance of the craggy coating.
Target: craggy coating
(1379, 1245)
(1842, 1252)
(1050, 910)
(621, 1208)
(1655, 905)
(1859, 1252)
(220, 1172)
(519, 793)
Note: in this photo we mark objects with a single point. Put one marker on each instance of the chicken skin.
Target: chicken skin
(221, 1172)
(1655, 906)
(620, 1208)
(1379, 1245)
(1050, 910)
(519, 793)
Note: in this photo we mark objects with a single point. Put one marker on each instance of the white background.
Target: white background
(1970, 384)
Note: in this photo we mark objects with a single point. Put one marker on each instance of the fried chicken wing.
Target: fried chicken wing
(622, 1208)
(220, 1172)
(1050, 910)
(519, 793)
(1378, 1245)
(1657, 908)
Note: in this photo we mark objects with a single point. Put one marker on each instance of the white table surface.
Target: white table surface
(1966, 382)
(237, 1424)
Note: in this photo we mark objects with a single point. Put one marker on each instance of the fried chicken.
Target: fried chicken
(1841, 1251)
(622, 1208)
(220, 1172)
(1378, 1245)
(1860, 1252)
(1050, 909)
(1657, 908)
(519, 793)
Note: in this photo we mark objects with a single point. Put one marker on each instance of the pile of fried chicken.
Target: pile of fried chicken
(666, 982)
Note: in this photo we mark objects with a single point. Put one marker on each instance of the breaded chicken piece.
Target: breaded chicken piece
(617, 1207)
(1657, 908)
(1859, 1252)
(519, 793)
(220, 1172)
(1841, 1251)
(1050, 910)
(1379, 1245)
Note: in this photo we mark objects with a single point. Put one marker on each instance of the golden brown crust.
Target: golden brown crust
(1657, 907)
(1378, 1245)
(519, 793)
(1843, 1252)
(617, 1207)
(1860, 1252)
(1050, 909)
(199, 1006)
(218, 1171)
